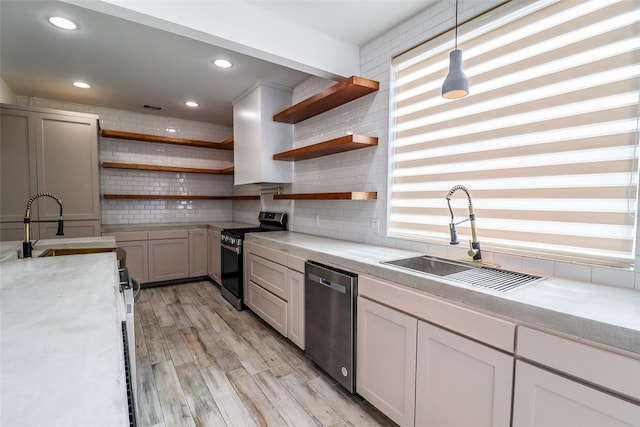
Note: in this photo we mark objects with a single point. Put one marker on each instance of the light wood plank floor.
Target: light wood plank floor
(202, 363)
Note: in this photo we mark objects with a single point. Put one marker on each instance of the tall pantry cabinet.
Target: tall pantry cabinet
(48, 151)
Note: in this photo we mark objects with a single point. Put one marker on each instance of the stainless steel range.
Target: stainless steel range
(231, 240)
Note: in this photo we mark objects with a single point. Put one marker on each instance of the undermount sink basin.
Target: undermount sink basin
(431, 265)
(121, 254)
(491, 278)
(74, 251)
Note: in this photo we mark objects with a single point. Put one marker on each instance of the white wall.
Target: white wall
(366, 169)
(7, 96)
(119, 181)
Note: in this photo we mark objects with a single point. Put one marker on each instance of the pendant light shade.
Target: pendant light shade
(456, 85)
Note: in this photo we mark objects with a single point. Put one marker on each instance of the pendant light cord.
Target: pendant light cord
(456, 24)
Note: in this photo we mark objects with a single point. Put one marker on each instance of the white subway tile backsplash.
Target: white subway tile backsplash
(572, 271)
(613, 276)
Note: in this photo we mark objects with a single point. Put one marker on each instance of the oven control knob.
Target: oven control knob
(232, 241)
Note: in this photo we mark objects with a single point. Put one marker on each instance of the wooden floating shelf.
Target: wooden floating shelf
(349, 195)
(136, 166)
(342, 92)
(226, 145)
(333, 146)
(175, 197)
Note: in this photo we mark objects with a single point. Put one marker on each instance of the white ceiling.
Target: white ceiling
(132, 55)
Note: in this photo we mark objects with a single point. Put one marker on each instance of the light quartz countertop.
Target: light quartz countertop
(603, 314)
(61, 338)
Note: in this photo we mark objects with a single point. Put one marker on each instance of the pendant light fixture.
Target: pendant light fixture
(456, 85)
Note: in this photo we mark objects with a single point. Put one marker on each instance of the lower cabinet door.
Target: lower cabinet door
(137, 259)
(198, 252)
(269, 307)
(214, 265)
(386, 360)
(168, 259)
(460, 382)
(542, 398)
(295, 308)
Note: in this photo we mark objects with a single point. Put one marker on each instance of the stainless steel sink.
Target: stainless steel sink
(431, 265)
(471, 274)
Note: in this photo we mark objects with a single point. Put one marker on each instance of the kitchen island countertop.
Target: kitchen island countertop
(61, 340)
(602, 314)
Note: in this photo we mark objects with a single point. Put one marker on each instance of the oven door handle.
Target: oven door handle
(234, 249)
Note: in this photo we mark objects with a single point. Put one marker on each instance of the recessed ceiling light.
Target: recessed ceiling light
(192, 104)
(63, 23)
(222, 63)
(82, 85)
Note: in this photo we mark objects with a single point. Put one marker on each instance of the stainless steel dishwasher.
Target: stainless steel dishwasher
(330, 325)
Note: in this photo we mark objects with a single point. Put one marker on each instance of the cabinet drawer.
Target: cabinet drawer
(270, 308)
(128, 236)
(269, 275)
(270, 254)
(168, 234)
(606, 369)
(296, 263)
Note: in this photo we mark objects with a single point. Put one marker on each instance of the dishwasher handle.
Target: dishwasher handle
(327, 283)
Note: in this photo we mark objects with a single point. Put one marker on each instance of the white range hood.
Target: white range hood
(256, 137)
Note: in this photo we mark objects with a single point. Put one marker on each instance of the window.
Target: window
(546, 142)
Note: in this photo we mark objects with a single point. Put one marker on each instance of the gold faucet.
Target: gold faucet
(26, 245)
(474, 244)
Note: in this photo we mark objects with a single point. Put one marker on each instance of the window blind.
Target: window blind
(546, 142)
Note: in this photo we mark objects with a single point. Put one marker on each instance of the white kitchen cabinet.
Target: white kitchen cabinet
(425, 357)
(135, 245)
(214, 261)
(257, 137)
(573, 383)
(137, 259)
(542, 399)
(386, 365)
(168, 255)
(274, 289)
(161, 255)
(50, 151)
(18, 163)
(461, 382)
(295, 302)
(198, 252)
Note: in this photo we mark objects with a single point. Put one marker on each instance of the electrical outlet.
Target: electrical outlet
(375, 226)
